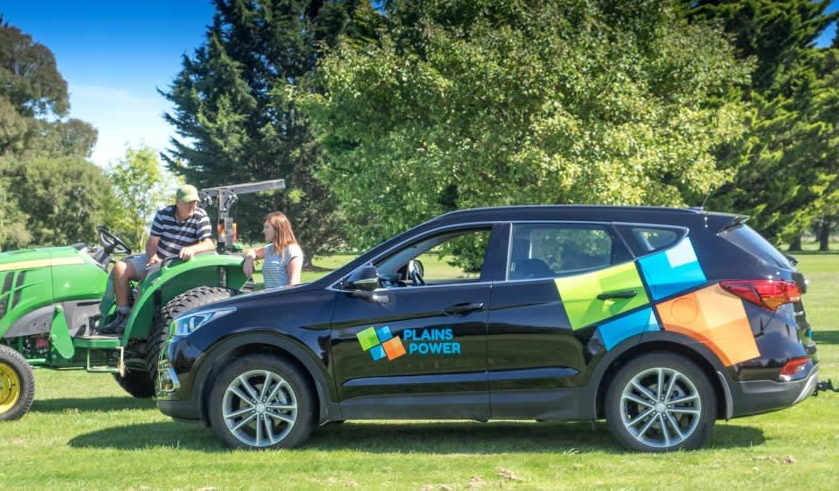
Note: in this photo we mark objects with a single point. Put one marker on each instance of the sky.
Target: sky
(116, 54)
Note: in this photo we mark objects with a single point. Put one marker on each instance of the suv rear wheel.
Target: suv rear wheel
(261, 401)
(660, 402)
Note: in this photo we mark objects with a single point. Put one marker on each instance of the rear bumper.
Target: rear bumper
(763, 396)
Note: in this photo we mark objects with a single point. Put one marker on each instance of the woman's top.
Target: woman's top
(275, 268)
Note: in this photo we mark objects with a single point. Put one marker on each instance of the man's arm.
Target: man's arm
(205, 245)
(205, 240)
(155, 234)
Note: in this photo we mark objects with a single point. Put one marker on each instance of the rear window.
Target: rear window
(552, 250)
(646, 239)
(752, 242)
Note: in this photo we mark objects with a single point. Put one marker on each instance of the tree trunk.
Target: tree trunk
(824, 234)
(795, 244)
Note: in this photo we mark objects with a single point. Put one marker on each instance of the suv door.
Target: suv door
(418, 347)
(562, 280)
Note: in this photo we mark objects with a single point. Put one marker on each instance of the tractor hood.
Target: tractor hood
(39, 258)
(36, 279)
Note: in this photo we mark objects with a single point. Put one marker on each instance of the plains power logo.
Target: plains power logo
(381, 342)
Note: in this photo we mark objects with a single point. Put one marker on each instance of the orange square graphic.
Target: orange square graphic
(715, 318)
(393, 348)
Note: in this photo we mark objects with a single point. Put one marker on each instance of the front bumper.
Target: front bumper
(763, 396)
(180, 410)
(174, 398)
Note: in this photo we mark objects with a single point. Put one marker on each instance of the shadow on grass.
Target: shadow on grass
(91, 404)
(825, 337)
(398, 437)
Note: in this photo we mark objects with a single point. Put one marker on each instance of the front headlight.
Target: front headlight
(187, 324)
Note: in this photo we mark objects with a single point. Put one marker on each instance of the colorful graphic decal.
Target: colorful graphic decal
(715, 318)
(381, 343)
(672, 271)
(579, 294)
(710, 315)
(617, 330)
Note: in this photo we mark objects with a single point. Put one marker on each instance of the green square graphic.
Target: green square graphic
(579, 294)
(368, 338)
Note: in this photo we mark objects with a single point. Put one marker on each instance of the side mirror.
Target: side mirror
(365, 278)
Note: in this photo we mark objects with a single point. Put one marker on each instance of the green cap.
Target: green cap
(187, 193)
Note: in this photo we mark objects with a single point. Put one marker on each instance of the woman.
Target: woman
(283, 255)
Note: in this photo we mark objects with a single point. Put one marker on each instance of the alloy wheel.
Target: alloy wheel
(259, 408)
(660, 407)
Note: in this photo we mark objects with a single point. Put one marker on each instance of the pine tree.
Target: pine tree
(237, 122)
(784, 168)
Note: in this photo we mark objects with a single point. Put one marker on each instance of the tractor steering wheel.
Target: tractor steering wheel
(112, 243)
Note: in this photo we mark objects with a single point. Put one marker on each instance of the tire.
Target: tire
(247, 425)
(640, 421)
(142, 383)
(137, 383)
(17, 385)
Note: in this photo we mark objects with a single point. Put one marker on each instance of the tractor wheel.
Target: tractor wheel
(137, 383)
(142, 384)
(17, 384)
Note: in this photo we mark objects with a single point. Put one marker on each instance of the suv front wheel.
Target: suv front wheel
(261, 401)
(660, 402)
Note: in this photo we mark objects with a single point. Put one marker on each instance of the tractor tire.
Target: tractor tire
(142, 384)
(137, 383)
(17, 384)
(188, 300)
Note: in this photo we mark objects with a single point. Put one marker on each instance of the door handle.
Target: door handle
(617, 295)
(463, 308)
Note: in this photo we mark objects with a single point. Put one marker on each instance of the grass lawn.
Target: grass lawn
(84, 432)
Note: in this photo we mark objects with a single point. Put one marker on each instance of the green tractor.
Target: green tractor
(52, 301)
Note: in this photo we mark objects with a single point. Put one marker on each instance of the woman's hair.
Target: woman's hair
(283, 234)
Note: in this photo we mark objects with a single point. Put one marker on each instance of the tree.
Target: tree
(66, 199)
(36, 145)
(783, 165)
(236, 122)
(141, 187)
(475, 103)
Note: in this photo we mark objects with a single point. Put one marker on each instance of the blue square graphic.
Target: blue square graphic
(676, 273)
(615, 331)
(377, 352)
(384, 333)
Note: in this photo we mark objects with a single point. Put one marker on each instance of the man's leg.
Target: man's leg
(124, 272)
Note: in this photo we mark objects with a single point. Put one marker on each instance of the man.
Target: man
(180, 230)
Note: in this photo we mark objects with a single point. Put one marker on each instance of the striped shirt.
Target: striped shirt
(175, 235)
(275, 269)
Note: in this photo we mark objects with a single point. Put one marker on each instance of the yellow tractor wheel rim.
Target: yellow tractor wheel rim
(9, 387)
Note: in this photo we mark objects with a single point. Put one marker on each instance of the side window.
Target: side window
(450, 257)
(552, 250)
(643, 239)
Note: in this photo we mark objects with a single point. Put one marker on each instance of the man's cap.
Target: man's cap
(187, 193)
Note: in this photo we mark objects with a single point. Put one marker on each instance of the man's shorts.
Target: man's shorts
(139, 263)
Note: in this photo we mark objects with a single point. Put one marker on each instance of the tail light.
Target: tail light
(793, 366)
(766, 293)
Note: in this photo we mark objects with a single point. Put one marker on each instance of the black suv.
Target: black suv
(659, 320)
